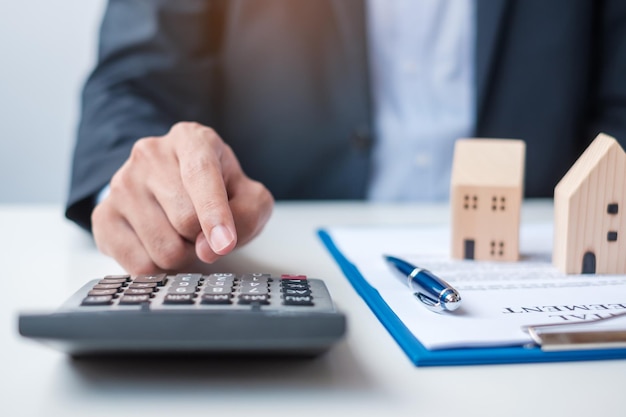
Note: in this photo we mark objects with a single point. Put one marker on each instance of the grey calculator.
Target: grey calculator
(220, 313)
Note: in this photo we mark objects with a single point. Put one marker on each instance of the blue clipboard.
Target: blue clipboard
(420, 356)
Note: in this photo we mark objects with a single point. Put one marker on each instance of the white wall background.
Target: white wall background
(47, 48)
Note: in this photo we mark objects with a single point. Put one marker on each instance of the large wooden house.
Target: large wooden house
(590, 212)
(485, 197)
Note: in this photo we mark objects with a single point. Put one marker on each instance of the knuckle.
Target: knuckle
(186, 222)
(142, 149)
(120, 181)
(101, 219)
(187, 129)
(265, 204)
(177, 128)
(262, 195)
(143, 155)
(198, 165)
(135, 260)
(210, 207)
(107, 226)
(170, 254)
(212, 135)
(189, 126)
(98, 216)
(184, 126)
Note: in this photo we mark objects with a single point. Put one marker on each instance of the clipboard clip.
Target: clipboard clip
(602, 333)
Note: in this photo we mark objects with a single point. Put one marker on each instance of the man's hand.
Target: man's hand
(178, 199)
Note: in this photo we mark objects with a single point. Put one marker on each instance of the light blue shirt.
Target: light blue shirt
(422, 75)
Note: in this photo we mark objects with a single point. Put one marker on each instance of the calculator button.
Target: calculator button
(143, 285)
(216, 299)
(181, 284)
(217, 290)
(254, 291)
(253, 285)
(295, 287)
(102, 292)
(184, 282)
(112, 281)
(181, 290)
(158, 279)
(134, 299)
(215, 280)
(124, 277)
(188, 277)
(221, 276)
(254, 298)
(293, 277)
(228, 284)
(97, 300)
(178, 298)
(138, 291)
(253, 288)
(255, 278)
(297, 292)
(298, 300)
(286, 281)
(117, 286)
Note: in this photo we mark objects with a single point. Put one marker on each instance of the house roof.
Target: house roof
(489, 162)
(600, 149)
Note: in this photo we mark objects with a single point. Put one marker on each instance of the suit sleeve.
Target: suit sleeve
(155, 67)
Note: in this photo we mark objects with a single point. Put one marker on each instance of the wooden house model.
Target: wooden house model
(486, 196)
(590, 212)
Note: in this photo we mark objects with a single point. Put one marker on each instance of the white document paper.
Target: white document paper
(498, 298)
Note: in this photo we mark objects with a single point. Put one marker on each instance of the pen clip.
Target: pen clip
(429, 303)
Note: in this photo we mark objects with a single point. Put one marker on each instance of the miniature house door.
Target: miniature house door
(468, 248)
(589, 263)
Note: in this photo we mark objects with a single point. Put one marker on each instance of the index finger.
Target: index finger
(199, 150)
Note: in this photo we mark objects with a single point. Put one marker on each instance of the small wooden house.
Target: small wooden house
(590, 212)
(486, 197)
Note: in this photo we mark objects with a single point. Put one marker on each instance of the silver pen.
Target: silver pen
(436, 294)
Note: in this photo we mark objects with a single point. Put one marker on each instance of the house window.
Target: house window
(497, 248)
(494, 203)
(611, 236)
(612, 208)
(470, 202)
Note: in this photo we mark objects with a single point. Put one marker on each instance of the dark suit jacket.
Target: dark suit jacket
(285, 83)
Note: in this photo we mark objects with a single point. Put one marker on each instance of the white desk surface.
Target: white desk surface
(45, 259)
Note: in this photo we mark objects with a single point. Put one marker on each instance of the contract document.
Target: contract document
(498, 298)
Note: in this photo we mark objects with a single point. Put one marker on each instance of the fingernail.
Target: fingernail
(220, 239)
